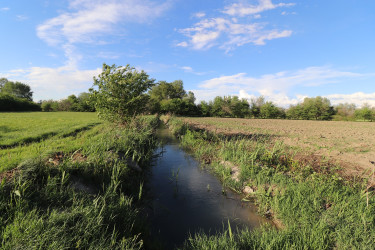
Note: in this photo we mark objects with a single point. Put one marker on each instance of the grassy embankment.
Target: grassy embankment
(316, 208)
(75, 188)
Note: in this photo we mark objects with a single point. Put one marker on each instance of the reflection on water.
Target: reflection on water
(188, 199)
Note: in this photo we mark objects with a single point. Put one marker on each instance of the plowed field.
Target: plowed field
(350, 144)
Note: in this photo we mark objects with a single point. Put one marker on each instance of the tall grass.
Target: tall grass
(93, 203)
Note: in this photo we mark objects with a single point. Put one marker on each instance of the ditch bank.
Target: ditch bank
(188, 199)
(316, 207)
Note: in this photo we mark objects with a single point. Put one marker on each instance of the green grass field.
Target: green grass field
(21, 128)
(29, 135)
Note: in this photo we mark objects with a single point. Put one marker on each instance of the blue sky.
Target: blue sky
(284, 50)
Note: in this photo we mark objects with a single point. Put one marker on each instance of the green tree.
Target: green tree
(365, 113)
(119, 92)
(294, 112)
(317, 108)
(16, 89)
(12, 103)
(171, 97)
(239, 108)
(270, 111)
(255, 105)
(345, 111)
(84, 103)
(205, 108)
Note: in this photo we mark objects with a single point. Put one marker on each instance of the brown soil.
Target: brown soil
(58, 158)
(8, 175)
(348, 144)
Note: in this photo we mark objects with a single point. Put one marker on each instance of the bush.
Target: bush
(120, 93)
(11, 103)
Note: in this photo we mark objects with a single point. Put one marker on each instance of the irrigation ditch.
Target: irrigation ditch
(311, 203)
(187, 198)
(118, 188)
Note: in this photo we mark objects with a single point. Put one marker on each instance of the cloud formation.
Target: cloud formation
(358, 98)
(90, 19)
(54, 83)
(275, 87)
(244, 9)
(233, 30)
(85, 22)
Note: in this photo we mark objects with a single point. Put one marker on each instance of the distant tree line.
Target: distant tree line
(73, 103)
(17, 96)
(170, 98)
(165, 97)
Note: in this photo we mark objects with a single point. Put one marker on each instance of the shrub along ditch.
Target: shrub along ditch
(317, 208)
(89, 198)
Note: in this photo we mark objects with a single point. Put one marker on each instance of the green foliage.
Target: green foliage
(16, 89)
(317, 108)
(120, 92)
(205, 108)
(256, 104)
(11, 103)
(16, 96)
(228, 106)
(365, 113)
(271, 111)
(172, 98)
(82, 103)
(345, 112)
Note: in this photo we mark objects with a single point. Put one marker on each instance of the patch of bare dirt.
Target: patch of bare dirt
(57, 158)
(78, 157)
(8, 175)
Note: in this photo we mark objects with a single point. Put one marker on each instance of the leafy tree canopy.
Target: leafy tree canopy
(16, 89)
(119, 92)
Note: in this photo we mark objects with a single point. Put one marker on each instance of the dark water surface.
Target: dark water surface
(187, 198)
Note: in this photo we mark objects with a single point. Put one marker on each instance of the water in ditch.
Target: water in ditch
(187, 198)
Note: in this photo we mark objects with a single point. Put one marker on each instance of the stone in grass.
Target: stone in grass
(248, 190)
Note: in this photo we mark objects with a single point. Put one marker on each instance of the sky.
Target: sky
(284, 50)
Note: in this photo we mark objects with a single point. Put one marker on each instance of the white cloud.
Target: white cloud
(4, 9)
(182, 44)
(358, 98)
(89, 20)
(243, 9)
(21, 17)
(55, 83)
(274, 87)
(229, 32)
(189, 69)
(311, 76)
(86, 22)
(199, 14)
